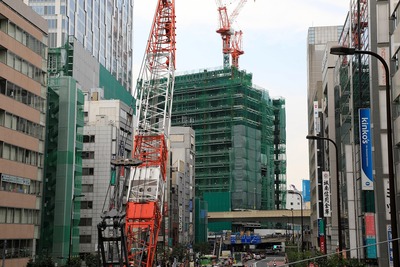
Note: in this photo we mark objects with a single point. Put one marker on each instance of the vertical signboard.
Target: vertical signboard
(321, 235)
(386, 193)
(316, 121)
(306, 190)
(370, 235)
(367, 178)
(384, 53)
(390, 244)
(326, 194)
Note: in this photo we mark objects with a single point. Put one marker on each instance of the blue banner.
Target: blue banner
(306, 190)
(367, 179)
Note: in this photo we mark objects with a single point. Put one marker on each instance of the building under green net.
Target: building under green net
(240, 140)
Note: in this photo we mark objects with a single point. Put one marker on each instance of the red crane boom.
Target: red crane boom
(154, 93)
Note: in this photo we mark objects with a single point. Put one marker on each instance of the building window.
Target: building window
(88, 155)
(85, 239)
(87, 188)
(87, 171)
(85, 222)
(88, 139)
(86, 205)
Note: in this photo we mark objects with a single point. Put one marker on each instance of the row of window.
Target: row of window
(23, 37)
(33, 188)
(20, 154)
(21, 65)
(16, 248)
(22, 125)
(22, 95)
(19, 216)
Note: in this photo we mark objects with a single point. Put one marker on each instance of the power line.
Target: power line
(334, 253)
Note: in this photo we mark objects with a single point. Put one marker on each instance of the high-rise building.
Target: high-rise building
(352, 112)
(78, 88)
(364, 162)
(181, 187)
(63, 169)
(240, 140)
(103, 28)
(23, 93)
(107, 135)
(320, 97)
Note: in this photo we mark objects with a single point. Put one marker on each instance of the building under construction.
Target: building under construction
(240, 140)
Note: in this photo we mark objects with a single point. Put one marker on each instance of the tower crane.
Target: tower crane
(236, 48)
(226, 32)
(139, 222)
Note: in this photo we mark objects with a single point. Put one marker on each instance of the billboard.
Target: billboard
(370, 235)
(306, 190)
(367, 179)
(326, 194)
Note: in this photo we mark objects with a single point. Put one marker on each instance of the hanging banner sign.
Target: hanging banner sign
(326, 194)
(367, 178)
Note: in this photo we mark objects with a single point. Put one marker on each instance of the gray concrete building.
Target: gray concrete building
(107, 134)
(181, 187)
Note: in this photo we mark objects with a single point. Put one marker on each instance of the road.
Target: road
(267, 262)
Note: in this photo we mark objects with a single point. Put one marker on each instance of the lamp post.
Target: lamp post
(71, 226)
(340, 50)
(292, 226)
(339, 217)
(302, 226)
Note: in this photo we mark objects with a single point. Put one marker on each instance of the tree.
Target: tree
(202, 248)
(91, 260)
(41, 261)
(74, 262)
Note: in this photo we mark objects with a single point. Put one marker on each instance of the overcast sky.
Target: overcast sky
(274, 44)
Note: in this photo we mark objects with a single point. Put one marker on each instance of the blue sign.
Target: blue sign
(249, 239)
(390, 244)
(367, 179)
(306, 190)
(371, 248)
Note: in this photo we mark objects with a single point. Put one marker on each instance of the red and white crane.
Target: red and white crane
(154, 94)
(128, 236)
(230, 47)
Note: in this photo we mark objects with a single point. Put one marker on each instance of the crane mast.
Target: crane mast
(229, 46)
(154, 93)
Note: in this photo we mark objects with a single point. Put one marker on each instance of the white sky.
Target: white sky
(274, 44)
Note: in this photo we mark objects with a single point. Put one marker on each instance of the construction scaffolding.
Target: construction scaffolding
(235, 125)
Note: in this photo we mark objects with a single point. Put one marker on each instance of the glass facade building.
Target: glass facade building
(104, 28)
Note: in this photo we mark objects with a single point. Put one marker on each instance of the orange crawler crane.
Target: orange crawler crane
(128, 236)
(154, 93)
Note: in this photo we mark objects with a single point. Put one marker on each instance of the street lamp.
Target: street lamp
(302, 226)
(340, 50)
(339, 217)
(71, 225)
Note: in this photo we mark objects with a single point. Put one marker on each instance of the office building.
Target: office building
(103, 28)
(107, 135)
(320, 94)
(23, 93)
(181, 188)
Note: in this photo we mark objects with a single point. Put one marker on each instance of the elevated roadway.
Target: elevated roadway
(282, 216)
